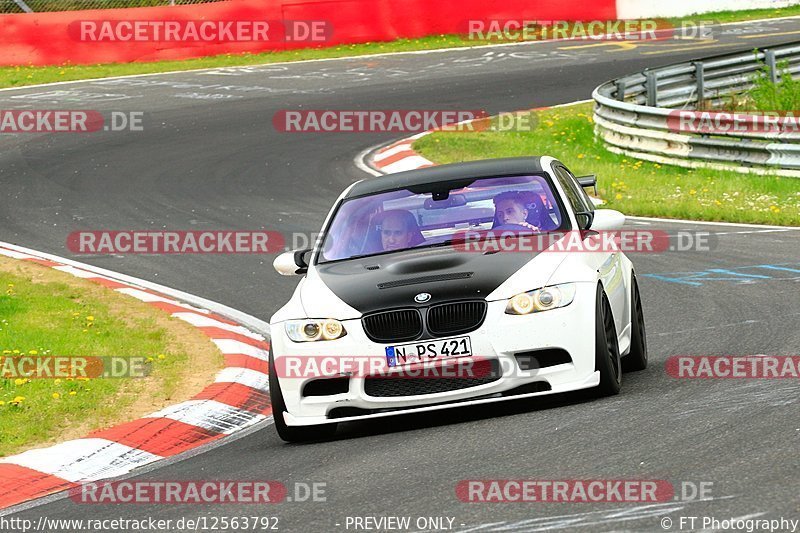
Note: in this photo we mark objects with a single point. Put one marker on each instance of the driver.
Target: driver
(399, 230)
(511, 209)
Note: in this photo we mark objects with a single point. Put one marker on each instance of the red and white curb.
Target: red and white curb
(237, 399)
(399, 156)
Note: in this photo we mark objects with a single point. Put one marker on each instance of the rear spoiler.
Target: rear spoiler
(589, 181)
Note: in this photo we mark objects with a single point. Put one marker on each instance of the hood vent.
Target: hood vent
(425, 279)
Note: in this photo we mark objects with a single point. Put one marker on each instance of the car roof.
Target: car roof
(427, 179)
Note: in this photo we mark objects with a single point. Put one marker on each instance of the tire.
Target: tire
(607, 357)
(292, 433)
(637, 356)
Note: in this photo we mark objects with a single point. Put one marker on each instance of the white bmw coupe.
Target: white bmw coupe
(451, 286)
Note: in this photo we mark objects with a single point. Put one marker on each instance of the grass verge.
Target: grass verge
(46, 312)
(19, 76)
(629, 185)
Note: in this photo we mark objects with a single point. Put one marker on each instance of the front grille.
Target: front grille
(481, 373)
(393, 326)
(458, 317)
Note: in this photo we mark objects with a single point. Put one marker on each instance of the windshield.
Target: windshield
(401, 220)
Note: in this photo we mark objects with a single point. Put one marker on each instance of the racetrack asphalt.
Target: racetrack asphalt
(209, 158)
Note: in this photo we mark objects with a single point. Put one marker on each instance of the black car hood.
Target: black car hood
(393, 280)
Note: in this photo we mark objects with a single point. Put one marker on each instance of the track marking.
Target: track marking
(365, 56)
(749, 322)
(687, 48)
(777, 34)
(697, 278)
(622, 46)
(589, 518)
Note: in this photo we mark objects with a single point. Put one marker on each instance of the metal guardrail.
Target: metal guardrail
(635, 115)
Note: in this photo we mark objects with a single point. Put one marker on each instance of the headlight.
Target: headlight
(541, 299)
(314, 330)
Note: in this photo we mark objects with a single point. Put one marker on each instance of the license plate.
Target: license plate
(421, 352)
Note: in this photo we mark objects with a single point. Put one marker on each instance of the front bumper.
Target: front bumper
(500, 337)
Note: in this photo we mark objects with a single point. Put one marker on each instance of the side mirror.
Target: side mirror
(585, 220)
(292, 263)
(607, 220)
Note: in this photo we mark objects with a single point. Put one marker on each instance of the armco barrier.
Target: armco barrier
(636, 115)
(43, 38)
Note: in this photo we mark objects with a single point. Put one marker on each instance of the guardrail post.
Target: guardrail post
(699, 75)
(23, 6)
(651, 85)
(772, 65)
(621, 88)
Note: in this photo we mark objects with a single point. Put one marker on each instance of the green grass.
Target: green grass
(781, 96)
(749, 14)
(629, 185)
(54, 318)
(18, 76)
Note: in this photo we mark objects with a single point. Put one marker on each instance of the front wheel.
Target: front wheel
(607, 358)
(292, 433)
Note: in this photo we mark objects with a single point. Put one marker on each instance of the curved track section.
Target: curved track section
(210, 158)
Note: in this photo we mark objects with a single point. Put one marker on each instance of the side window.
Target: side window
(577, 197)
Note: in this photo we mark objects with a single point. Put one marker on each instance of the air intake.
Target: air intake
(425, 279)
